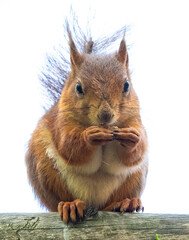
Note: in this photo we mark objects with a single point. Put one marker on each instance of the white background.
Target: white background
(160, 62)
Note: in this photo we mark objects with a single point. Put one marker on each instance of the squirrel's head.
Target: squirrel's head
(99, 89)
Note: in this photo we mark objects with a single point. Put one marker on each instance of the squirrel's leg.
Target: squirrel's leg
(131, 145)
(126, 205)
(46, 181)
(77, 145)
(127, 196)
(71, 210)
(131, 148)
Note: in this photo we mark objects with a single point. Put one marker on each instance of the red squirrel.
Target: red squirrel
(90, 147)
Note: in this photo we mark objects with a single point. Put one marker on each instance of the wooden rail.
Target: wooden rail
(103, 225)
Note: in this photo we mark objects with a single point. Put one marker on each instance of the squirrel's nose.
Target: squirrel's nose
(105, 116)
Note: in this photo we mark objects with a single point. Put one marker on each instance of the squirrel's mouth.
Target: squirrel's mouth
(108, 124)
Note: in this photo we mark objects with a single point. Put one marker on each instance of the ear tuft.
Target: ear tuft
(121, 55)
(75, 57)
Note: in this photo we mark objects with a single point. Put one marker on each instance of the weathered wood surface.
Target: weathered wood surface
(105, 225)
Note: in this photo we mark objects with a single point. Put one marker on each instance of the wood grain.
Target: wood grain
(104, 225)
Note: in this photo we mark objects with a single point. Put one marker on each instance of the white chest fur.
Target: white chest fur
(95, 181)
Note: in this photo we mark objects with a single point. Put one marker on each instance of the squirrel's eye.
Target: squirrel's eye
(126, 87)
(79, 89)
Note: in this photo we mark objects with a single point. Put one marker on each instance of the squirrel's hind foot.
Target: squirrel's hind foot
(71, 211)
(126, 205)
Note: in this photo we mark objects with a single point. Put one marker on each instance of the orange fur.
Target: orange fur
(131, 188)
(89, 133)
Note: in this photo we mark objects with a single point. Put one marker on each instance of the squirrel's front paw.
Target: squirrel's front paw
(126, 205)
(128, 137)
(71, 210)
(98, 136)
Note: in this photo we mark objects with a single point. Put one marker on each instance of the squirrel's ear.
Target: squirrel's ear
(75, 57)
(122, 55)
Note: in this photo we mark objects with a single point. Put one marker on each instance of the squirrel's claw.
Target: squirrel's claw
(71, 210)
(127, 205)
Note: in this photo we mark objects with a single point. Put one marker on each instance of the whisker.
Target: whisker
(93, 123)
(108, 164)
